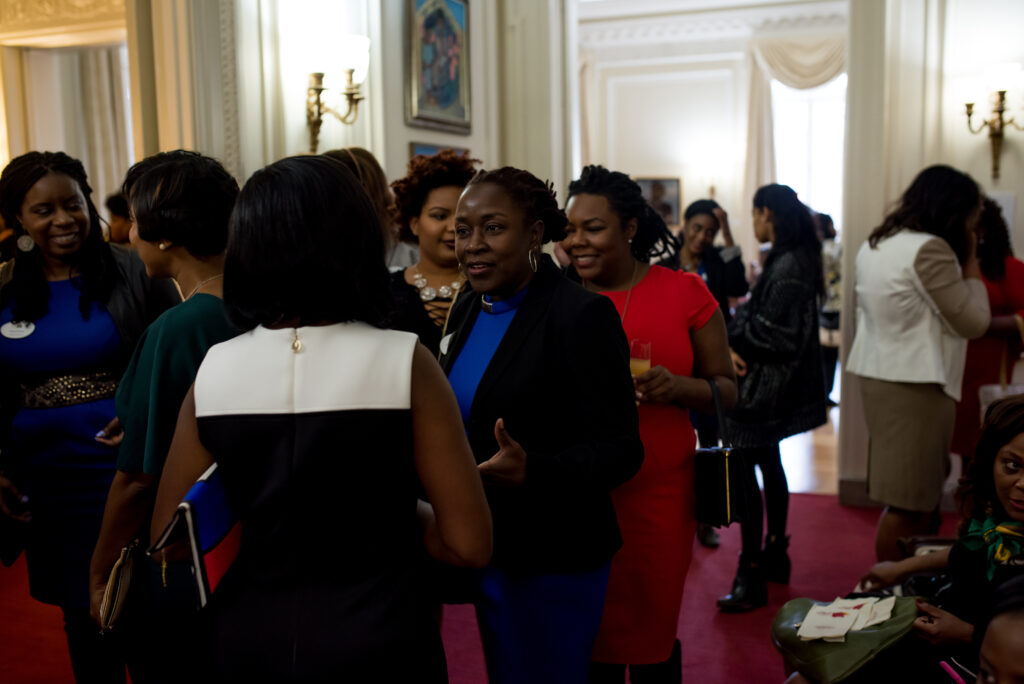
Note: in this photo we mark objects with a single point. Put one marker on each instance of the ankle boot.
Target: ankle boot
(774, 559)
(749, 590)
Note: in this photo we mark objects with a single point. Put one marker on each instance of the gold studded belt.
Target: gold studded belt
(67, 390)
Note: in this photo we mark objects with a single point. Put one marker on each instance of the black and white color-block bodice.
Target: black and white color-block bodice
(314, 443)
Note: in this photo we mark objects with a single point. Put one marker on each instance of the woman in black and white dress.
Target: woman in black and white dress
(325, 427)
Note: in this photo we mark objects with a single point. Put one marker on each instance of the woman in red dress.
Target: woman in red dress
(990, 356)
(611, 238)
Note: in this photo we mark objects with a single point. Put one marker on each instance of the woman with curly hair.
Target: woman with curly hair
(990, 358)
(540, 368)
(425, 211)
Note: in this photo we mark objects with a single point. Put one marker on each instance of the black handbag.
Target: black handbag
(719, 477)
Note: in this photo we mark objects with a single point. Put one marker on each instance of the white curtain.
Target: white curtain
(77, 101)
(798, 62)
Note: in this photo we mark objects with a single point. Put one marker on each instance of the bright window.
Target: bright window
(809, 130)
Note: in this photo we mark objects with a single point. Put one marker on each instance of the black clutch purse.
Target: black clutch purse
(719, 477)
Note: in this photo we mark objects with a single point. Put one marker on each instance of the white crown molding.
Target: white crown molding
(61, 23)
(708, 25)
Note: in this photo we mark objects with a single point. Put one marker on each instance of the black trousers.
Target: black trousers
(95, 658)
(776, 497)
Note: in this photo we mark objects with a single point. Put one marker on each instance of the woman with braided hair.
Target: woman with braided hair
(540, 368)
(611, 238)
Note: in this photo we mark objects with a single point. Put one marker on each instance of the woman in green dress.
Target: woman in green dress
(180, 202)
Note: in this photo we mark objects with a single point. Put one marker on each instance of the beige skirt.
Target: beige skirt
(910, 430)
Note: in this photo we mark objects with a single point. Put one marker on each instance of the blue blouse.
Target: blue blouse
(487, 333)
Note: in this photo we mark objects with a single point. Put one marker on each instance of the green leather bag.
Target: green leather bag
(825, 662)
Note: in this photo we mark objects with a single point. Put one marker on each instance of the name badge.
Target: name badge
(17, 330)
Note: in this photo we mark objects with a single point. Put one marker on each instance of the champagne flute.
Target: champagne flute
(639, 357)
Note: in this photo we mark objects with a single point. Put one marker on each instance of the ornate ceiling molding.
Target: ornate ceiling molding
(61, 22)
(712, 25)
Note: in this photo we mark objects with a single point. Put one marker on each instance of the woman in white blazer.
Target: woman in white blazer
(919, 299)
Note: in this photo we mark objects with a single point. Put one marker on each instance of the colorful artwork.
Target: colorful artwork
(665, 197)
(429, 149)
(438, 79)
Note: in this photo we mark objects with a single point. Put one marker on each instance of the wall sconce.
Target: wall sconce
(998, 79)
(996, 125)
(315, 107)
(351, 56)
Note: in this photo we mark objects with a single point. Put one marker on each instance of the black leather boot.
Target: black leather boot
(775, 561)
(749, 590)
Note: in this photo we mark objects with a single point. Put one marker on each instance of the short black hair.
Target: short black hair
(993, 241)
(305, 247)
(184, 197)
(702, 206)
(117, 205)
(653, 239)
(536, 197)
(423, 175)
(28, 292)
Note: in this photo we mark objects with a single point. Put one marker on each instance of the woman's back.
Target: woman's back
(313, 434)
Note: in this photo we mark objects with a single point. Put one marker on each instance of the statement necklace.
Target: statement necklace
(429, 294)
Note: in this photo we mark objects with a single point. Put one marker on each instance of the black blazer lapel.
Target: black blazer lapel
(530, 315)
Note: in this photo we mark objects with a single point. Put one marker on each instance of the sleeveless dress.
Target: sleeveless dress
(656, 507)
(315, 449)
(59, 465)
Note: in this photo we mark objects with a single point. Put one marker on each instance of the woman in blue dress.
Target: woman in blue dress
(71, 310)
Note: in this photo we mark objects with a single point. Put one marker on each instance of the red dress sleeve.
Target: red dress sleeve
(700, 304)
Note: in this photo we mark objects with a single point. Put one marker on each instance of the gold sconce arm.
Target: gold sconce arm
(315, 108)
(996, 125)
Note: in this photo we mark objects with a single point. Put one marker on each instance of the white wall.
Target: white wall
(666, 93)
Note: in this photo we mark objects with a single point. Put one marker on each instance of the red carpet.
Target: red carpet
(831, 546)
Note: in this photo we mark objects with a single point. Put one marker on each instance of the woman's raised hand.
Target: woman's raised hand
(508, 466)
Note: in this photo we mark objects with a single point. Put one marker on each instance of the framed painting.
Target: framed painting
(430, 149)
(437, 77)
(665, 195)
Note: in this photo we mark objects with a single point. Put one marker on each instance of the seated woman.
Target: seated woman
(425, 210)
(181, 202)
(990, 550)
(611, 237)
(540, 367)
(325, 427)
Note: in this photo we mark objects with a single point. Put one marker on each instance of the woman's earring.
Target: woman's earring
(26, 243)
(162, 246)
(532, 258)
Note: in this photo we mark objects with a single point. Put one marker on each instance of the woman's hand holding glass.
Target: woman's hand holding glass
(657, 386)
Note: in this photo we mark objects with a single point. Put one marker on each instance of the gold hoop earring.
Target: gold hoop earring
(532, 258)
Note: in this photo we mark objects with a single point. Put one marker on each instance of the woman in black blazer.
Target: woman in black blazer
(548, 403)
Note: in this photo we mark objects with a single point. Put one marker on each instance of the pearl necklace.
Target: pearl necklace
(429, 294)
